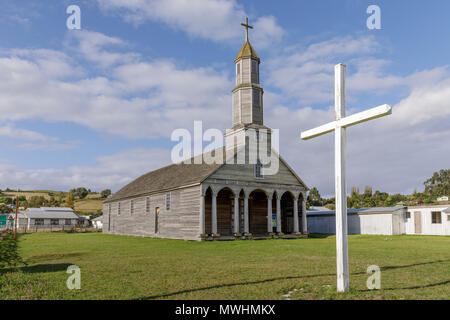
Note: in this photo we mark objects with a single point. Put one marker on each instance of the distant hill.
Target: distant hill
(91, 204)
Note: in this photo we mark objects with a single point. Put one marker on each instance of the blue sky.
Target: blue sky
(96, 107)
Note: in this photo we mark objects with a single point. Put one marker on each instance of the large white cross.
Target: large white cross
(339, 127)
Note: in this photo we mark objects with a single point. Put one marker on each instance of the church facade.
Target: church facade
(241, 196)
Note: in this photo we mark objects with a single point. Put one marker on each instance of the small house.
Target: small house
(428, 220)
(47, 217)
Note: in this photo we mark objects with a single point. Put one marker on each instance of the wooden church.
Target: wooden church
(235, 197)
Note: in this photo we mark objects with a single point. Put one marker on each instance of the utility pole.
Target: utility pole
(15, 220)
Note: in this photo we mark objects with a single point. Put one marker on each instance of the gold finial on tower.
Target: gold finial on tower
(246, 26)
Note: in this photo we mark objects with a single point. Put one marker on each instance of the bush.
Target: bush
(9, 255)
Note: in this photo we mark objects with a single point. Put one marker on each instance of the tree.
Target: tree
(314, 197)
(105, 193)
(6, 200)
(70, 199)
(354, 200)
(37, 201)
(439, 184)
(81, 193)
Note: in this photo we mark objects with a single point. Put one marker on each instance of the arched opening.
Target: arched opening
(257, 212)
(287, 213)
(225, 206)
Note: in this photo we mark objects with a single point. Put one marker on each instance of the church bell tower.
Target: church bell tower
(247, 98)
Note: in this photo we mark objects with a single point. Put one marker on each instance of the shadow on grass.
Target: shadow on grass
(412, 265)
(320, 235)
(299, 277)
(38, 268)
(233, 285)
(431, 285)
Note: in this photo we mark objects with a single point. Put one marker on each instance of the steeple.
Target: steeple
(248, 94)
(247, 98)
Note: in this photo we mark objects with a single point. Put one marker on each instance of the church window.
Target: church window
(147, 204)
(238, 68)
(408, 215)
(131, 206)
(168, 201)
(259, 170)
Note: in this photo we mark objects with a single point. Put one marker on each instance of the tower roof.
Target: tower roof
(247, 51)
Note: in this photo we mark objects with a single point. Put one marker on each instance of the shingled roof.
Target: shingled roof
(169, 177)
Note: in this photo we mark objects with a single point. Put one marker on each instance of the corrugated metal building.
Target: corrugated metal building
(47, 217)
(384, 221)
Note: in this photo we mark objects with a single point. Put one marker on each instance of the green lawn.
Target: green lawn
(121, 267)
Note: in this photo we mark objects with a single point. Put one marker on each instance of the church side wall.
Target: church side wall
(182, 221)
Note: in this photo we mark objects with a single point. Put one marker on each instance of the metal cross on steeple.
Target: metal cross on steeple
(246, 26)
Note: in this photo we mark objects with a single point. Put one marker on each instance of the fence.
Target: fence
(50, 228)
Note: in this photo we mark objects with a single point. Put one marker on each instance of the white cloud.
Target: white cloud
(96, 47)
(112, 171)
(140, 99)
(307, 74)
(217, 20)
(396, 153)
(148, 99)
(32, 140)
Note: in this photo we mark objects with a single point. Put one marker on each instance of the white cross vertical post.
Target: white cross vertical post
(340, 183)
(339, 127)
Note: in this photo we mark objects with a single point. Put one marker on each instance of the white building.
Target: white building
(384, 221)
(97, 222)
(428, 220)
(47, 217)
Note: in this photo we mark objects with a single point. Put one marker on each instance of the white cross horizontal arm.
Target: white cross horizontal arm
(356, 118)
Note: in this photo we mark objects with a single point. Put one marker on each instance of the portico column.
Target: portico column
(296, 215)
(269, 214)
(214, 214)
(202, 215)
(236, 214)
(278, 214)
(246, 229)
(304, 221)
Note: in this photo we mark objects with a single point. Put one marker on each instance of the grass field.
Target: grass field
(37, 193)
(88, 205)
(121, 267)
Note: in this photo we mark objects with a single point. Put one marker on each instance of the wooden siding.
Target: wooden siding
(180, 222)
